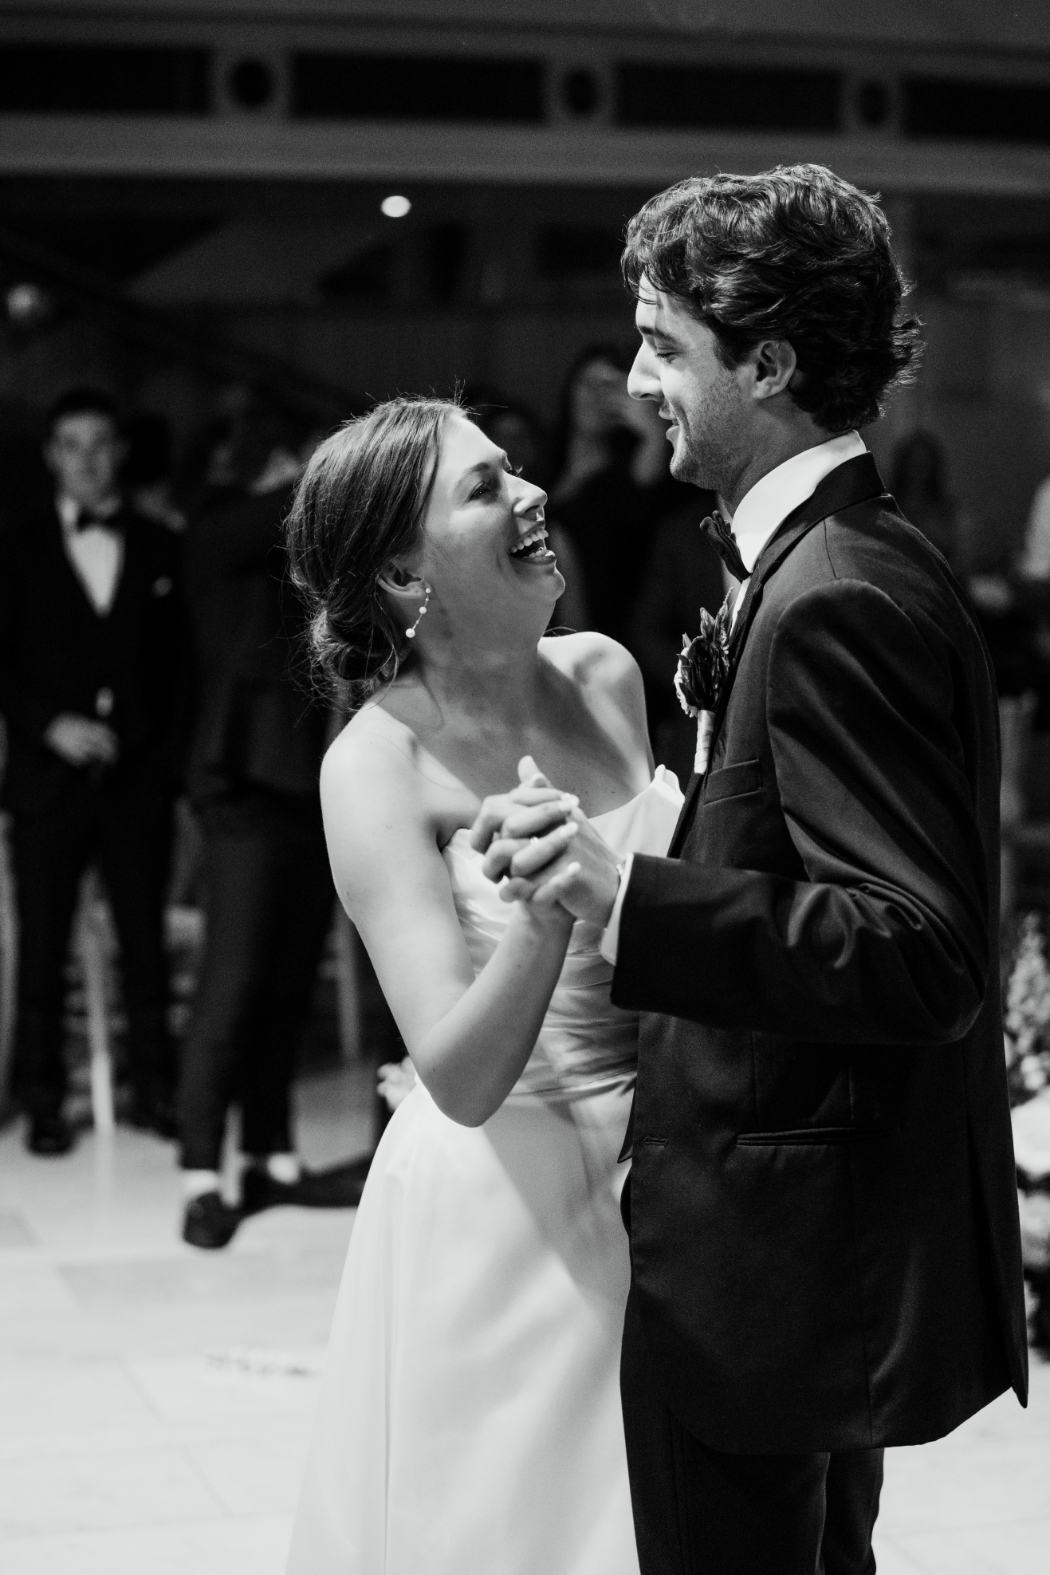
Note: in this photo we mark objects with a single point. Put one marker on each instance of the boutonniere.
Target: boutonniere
(704, 662)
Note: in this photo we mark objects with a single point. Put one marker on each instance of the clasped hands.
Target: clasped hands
(541, 845)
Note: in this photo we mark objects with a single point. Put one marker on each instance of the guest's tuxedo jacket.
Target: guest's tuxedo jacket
(258, 725)
(824, 1224)
(57, 654)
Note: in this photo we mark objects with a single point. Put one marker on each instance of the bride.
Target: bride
(469, 1421)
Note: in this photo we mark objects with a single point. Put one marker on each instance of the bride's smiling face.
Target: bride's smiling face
(484, 546)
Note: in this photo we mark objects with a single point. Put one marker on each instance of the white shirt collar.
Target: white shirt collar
(773, 497)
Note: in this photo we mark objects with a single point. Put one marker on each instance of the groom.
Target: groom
(823, 1219)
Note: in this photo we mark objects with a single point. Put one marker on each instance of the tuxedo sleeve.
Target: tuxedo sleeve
(885, 939)
(27, 709)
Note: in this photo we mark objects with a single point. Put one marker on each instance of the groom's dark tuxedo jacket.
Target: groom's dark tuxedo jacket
(824, 1226)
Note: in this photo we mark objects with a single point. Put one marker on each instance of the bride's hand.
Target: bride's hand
(571, 867)
(507, 821)
(552, 857)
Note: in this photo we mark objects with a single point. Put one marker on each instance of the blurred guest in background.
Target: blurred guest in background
(1033, 584)
(516, 429)
(918, 482)
(225, 459)
(610, 483)
(147, 472)
(1035, 558)
(684, 575)
(93, 680)
(1034, 564)
(268, 889)
(26, 486)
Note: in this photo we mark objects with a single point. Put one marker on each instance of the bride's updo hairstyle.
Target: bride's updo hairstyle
(360, 504)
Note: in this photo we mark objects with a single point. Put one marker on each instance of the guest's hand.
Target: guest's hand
(81, 741)
(568, 864)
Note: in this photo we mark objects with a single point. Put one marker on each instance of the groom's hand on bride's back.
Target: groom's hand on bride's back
(546, 849)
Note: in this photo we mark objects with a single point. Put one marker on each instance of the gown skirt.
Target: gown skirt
(473, 1359)
(469, 1421)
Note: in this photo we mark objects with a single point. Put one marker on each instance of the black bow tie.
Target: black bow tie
(86, 519)
(723, 541)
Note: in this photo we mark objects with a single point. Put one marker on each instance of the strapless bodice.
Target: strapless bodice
(586, 1043)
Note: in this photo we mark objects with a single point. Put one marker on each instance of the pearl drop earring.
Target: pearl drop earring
(410, 634)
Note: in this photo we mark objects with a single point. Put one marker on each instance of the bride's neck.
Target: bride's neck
(497, 688)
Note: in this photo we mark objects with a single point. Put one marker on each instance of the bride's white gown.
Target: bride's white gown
(469, 1420)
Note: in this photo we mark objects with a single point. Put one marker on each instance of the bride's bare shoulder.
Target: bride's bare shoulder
(593, 660)
(608, 678)
(373, 757)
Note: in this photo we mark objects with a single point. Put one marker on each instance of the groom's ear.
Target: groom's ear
(775, 364)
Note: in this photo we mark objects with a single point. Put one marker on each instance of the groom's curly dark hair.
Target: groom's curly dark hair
(795, 254)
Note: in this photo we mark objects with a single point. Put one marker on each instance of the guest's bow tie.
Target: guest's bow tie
(723, 541)
(86, 519)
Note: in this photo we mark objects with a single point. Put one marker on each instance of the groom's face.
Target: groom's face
(677, 365)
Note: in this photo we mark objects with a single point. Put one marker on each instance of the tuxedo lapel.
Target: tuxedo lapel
(854, 481)
(129, 588)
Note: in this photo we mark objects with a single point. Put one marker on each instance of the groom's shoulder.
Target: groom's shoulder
(874, 542)
(872, 545)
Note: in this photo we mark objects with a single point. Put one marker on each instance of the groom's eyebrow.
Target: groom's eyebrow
(654, 332)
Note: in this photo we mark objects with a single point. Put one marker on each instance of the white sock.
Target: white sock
(195, 1183)
(284, 1168)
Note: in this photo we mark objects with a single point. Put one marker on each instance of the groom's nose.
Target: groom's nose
(643, 381)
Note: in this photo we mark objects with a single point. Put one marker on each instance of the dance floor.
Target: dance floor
(155, 1402)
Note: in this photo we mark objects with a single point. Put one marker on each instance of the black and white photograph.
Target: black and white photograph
(524, 787)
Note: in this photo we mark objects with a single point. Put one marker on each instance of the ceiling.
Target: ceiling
(1021, 24)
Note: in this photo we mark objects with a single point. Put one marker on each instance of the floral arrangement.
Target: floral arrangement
(1027, 1015)
(395, 1081)
(704, 662)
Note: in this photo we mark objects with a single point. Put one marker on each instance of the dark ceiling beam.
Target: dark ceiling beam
(168, 333)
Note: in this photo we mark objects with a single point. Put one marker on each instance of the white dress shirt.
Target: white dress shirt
(1035, 563)
(96, 553)
(760, 512)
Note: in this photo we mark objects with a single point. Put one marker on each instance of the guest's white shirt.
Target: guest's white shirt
(760, 512)
(96, 553)
(1035, 563)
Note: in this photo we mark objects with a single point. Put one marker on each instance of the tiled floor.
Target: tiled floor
(155, 1401)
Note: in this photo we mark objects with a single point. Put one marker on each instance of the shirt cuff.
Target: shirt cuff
(609, 945)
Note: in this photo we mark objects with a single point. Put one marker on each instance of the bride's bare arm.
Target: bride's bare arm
(469, 1038)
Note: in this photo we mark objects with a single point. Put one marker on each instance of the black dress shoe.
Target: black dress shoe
(154, 1115)
(49, 1135)
(209, 1221)
(337, 1188)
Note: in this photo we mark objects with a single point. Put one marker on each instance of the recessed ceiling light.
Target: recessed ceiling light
(27, 304)
(395, 207)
